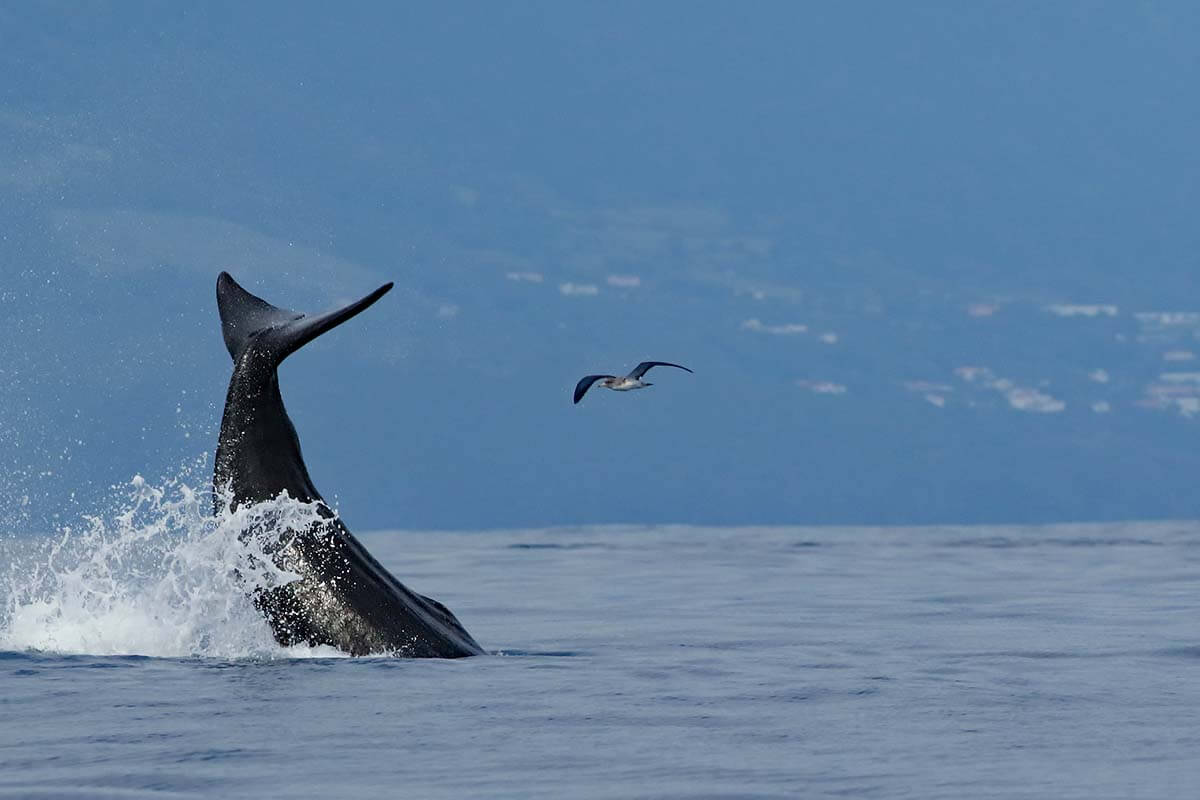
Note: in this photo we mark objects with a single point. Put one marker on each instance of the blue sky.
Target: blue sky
(562, 188)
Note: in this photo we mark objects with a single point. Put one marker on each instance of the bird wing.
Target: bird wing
(644, 367)
(585, 383)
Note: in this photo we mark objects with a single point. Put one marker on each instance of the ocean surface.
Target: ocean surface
(981, 662)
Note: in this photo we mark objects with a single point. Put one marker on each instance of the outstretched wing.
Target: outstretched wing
(644, 367)
(585, 383)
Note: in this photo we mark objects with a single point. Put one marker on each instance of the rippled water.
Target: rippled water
(1057, 661)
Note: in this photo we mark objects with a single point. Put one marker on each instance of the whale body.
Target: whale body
(343, 597)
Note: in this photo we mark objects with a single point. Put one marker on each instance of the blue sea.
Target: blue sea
(652, 662)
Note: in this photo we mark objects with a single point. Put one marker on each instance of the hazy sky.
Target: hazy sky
(828, 162)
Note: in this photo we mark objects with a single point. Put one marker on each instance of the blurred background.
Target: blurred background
(930, 262)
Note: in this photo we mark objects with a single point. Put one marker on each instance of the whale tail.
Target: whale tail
(246, 318)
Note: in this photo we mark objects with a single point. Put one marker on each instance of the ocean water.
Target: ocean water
(982, 662)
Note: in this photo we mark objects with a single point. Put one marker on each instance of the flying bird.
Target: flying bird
(622, 383)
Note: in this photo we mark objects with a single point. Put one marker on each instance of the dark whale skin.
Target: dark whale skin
(344, 598)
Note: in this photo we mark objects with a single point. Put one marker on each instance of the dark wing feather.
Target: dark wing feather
(644, 367)
(585, 383)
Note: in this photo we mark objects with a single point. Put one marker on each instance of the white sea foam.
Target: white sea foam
(786, 329)
(161, 576)
(1079, 310)
(579, 289)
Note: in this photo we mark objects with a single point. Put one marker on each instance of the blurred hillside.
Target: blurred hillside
(930, 264)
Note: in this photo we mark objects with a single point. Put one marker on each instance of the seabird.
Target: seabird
(622, 383)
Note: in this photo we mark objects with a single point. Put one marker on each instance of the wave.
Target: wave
(159, 576)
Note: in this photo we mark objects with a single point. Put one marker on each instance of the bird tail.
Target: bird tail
(246, 318)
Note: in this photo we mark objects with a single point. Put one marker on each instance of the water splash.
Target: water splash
(161, 576)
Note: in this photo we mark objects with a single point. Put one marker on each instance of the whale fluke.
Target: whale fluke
(244, 317)
(343, 596)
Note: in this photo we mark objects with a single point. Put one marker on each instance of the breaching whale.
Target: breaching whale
(343, 597)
